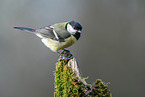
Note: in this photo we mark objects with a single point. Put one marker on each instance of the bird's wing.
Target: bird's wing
(48, 32)
(54, 32)
(45, 32)
(61, 31)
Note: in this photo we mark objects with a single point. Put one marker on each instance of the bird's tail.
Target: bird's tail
(25, 29)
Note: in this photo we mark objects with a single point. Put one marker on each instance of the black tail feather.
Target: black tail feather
(25, 29)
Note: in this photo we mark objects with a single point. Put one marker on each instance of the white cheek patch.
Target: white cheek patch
(71, 29)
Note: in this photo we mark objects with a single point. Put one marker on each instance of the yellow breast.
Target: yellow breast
(56, 45)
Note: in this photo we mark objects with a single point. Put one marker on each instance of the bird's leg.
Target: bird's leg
(59, 52)
(65, 54)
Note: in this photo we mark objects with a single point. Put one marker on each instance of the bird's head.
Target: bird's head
(73, 27)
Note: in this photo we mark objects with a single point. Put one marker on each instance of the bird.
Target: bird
(57, 36)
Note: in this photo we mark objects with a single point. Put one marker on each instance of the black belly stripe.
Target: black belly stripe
(77, 35)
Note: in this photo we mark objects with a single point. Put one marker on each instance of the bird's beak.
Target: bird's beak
(79, 31)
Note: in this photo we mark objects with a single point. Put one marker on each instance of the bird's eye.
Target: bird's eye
(76, 28)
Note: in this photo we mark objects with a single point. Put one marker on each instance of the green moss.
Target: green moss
(68, 83)
(100, 89)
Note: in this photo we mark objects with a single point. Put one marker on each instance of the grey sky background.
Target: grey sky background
(112, 47)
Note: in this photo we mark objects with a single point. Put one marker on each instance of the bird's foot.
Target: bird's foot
(65, 54)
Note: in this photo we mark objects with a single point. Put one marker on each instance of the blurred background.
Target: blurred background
(112, 47)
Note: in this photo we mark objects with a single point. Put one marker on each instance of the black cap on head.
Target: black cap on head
(75, 25)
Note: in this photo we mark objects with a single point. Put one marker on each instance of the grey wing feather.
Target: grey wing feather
(45, 32)
(48, 32)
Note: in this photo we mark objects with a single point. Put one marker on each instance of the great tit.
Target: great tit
(58, 36)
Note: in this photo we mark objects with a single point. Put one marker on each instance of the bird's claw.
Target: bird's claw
(65, 54)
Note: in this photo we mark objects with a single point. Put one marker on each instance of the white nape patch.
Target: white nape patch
(71, 29)
(55, 35)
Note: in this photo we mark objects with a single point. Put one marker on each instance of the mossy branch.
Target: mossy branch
(69, 83)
